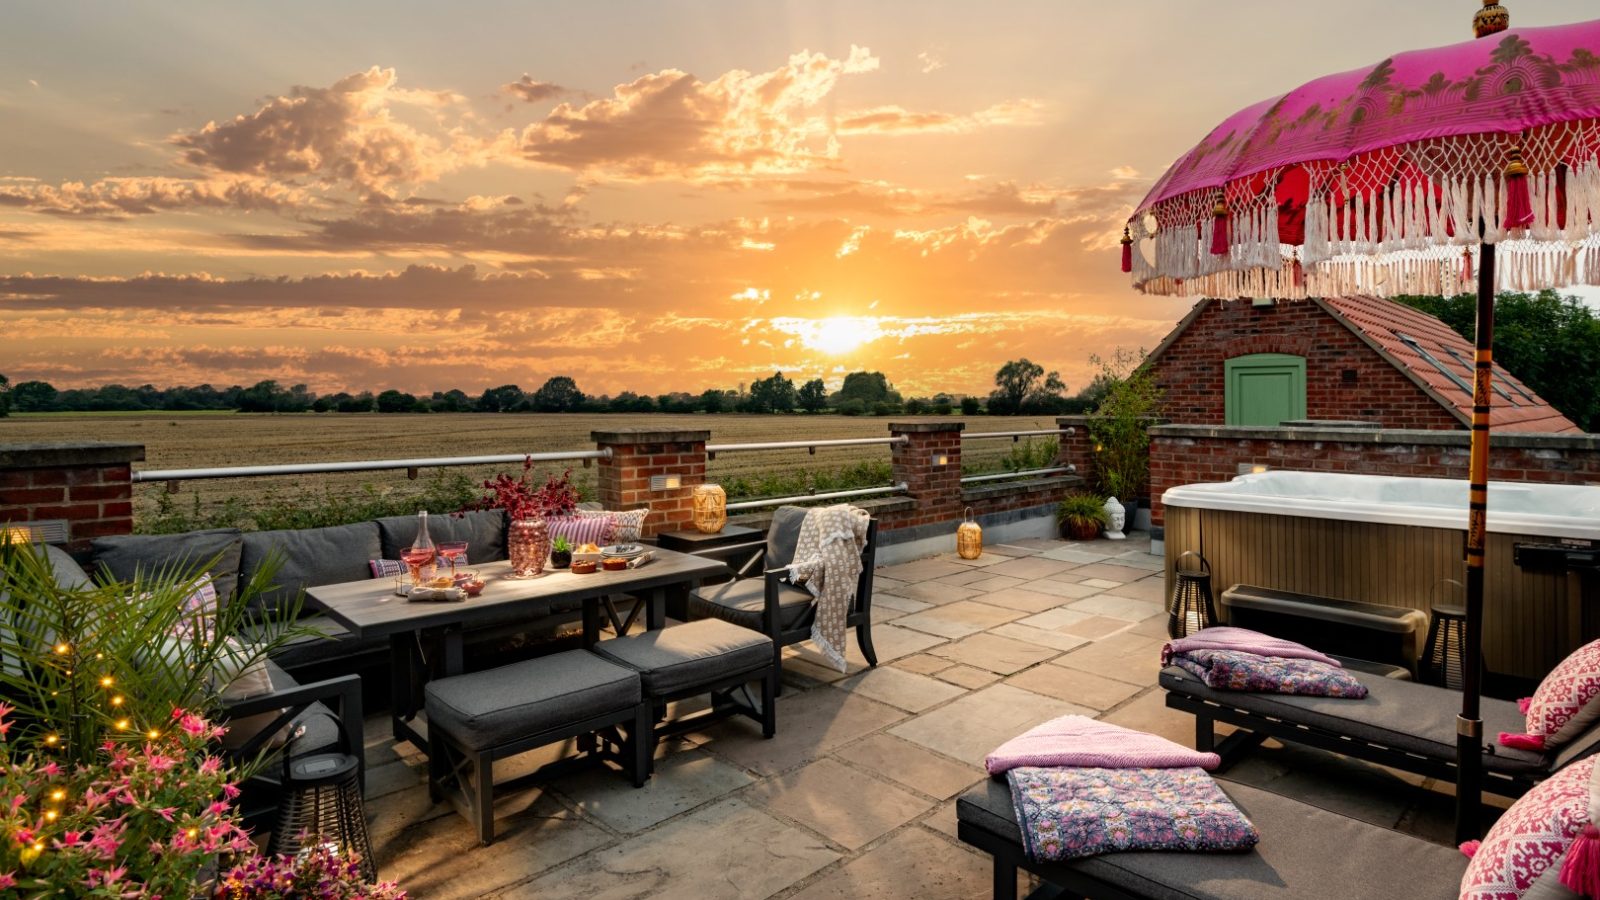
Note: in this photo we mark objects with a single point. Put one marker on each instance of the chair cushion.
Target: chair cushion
(1405, 715)
(784, 535)
(682, 657)
(329, 641)
(121, 557)
(1292, 861)
(744, 601)
(498, 706)
(309, 557)
(483, 530)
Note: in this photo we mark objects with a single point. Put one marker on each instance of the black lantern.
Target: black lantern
(1442, 652)
(1192, 607)
(322, 805)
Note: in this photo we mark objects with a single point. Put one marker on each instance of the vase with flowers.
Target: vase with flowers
(528, 505)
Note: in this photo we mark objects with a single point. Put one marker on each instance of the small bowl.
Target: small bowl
(473, 587)
(583, 566)
(614, 564)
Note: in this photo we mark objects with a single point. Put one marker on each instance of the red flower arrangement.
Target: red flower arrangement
(521, 499)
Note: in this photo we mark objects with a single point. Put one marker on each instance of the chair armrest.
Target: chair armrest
(769, 613)
(343, 694)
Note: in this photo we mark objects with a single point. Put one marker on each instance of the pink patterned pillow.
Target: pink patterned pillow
(582, 530)
(1568, 700)
(1532, 837)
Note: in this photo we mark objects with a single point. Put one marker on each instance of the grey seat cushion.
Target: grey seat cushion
(309, 557)
(743, 603)
(317, 728)
(484, 531)
(329, 641)
(1304, 852)
(1406, 715)
(685, 656)
(120, 557)
(494, 707)
(784, 535)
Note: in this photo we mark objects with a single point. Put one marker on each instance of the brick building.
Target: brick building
(1246, 363)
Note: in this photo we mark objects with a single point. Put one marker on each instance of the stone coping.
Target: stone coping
(76, 453)
(1394, 436)
(926, 427)
(993, 489)
(649, 436)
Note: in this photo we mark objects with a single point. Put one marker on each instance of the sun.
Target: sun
(839, 335)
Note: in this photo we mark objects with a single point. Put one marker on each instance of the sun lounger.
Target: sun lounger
(1400, 724)
(1305, 853)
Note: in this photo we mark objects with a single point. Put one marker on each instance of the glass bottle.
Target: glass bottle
(419, 557)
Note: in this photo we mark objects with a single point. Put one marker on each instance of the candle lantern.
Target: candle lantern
(969, 537)
(710, 508)
(1192, 608)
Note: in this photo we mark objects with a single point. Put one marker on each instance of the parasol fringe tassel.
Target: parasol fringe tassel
(1517, 204)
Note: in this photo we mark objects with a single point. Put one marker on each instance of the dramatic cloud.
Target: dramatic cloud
(670, 124)
(528, 90)
(896, 120)
(120, 197)
(345, 134)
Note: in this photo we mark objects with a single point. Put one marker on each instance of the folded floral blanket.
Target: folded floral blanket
(1242, 640)
(1084, 742)
(1068, 813)
(1231, 670)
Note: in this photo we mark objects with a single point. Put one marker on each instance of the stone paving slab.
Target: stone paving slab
(914, 863)
(1063, 590)
(810, 724)
(1074, 686)
(848, 807)
(922, 664)
(1001, 655)
(681, 782)
(969, 677)
(979, 722)
(921, 770)
(894, 601)
(899, 688)
(1055, 640)
(1030, 568)
(939, 592)
(1022, 599)
(959, 619)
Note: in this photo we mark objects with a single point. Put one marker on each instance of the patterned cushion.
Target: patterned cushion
(1231, 670)
(629, 524)
(1532, 837)
(200, 610)
(582, 530)
(1568, 700)
(1067, 813)
(386, 568)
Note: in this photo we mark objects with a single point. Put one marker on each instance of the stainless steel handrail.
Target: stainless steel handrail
(1059, 470)
(812, 498)
(173, 476)
(713, 449)
(980, 435)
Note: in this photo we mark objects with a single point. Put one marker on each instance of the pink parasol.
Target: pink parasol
(1432, 170)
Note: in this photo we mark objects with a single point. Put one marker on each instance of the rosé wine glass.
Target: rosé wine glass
(419, 563)
(454, 553)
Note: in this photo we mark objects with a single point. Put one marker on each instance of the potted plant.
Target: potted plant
(1081, 516)
(1130, 402)
(527, 506)
(560, 552)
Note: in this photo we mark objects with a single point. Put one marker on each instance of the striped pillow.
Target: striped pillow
(580, 530)
(629, 524)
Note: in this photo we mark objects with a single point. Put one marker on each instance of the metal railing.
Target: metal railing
(174, 477)
(810, 446)
(1029, 473)
(812, 498)
(1015, 435)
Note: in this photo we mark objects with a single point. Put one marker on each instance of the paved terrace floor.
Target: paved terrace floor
(854, 798)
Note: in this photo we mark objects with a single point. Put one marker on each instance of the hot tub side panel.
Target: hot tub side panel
(1532, 619)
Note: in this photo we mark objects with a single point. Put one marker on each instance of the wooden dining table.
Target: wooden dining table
(415, 629)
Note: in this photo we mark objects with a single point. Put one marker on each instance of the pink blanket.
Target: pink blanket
(1241, 640)
(1083, 742)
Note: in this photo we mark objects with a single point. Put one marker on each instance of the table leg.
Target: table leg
(655, 616)
(402, 697)
(452, 642)
(591, 622)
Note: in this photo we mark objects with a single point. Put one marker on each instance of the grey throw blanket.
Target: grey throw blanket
(827, 560)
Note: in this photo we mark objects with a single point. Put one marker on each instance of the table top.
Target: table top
(371, 608)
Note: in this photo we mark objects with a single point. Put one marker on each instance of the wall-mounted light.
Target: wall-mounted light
(666, 482)
(44, 531)
(1253, 468)
(941, 459)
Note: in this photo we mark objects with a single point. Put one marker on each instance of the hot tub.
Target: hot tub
(1400, 541)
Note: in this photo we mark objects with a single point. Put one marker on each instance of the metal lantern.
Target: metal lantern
(969, 537)
(322, 805)
(1192, 607)
(710, 508)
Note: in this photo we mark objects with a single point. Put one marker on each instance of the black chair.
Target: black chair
(773, 606)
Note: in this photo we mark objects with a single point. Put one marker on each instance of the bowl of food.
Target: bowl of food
(614, 564)
(587, 553)
(584, 566)
(473, 586)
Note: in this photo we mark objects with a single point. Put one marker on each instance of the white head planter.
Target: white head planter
(1118, 518)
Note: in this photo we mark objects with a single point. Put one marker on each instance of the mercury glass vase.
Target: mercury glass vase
(528, 545)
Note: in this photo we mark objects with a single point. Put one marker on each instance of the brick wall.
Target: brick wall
(637, 455)
(89, 485)
(1184, 454)
(934, 485)
(1345, 378)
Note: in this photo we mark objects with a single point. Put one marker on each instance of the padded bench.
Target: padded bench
(1390, 634)
(704, 656)
(477, 718)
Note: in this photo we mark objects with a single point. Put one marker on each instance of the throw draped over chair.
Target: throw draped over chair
(773, 606)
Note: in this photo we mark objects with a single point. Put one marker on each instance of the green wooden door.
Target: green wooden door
(1265, 389)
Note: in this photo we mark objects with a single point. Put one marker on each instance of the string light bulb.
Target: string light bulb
(50, 815)
(117, 700)
(63, 649)
(106, 681)
(153, 734)
(52, 739)
(123, 724)
(58, 795)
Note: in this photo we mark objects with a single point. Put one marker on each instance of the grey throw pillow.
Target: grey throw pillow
(119, 558)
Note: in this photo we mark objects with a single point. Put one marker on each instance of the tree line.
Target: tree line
(1022, 387)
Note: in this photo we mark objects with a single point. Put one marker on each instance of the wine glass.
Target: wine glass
(454, 553)
(419, 563)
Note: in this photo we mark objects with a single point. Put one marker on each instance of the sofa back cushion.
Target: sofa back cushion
(784, 535)
(69, 575)
(309, 557)
(119, 558)
(484, 531)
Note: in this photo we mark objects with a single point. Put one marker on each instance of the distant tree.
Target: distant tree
(360, 403)
(775, 394)
(943, 405)
(33, 396)
(970, 406)
(677, 402)
(713, 401)
(916, 406)
(393, 401)
(450, 401)
(1022, 386)
(5, 396)
(813, 396)
(263, 396)
(852, 407)
(559, 394)
(870, 388)
(326, 403)
(501, 399)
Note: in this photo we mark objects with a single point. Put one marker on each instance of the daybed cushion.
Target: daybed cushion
(743, 603)
(783, 535)
(309, 557)
(1304, 852)
(120, 557)
(685, 656)
(1405, 715)
(498, 706)
(483, 530)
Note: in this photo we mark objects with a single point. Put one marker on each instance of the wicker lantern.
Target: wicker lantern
(710, 508)
(1192, 607)
(969, 537)
(323, 806)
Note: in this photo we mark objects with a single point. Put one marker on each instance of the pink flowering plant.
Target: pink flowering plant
(524, 498)
(315, 874)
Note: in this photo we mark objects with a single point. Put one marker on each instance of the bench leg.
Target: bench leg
(1205, 734)
(483, 797)
(769, 704)
(777, 666)
(1005, 878)
(644, 742)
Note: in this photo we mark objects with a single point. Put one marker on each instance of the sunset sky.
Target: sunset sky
(648, 196)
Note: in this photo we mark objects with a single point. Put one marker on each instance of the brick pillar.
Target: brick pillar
(88, 484)
(1077, 448)
(936, 487)
(637, 455)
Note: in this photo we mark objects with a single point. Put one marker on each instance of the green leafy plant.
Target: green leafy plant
(561, 544)
(1083, 510)
(1120, 425)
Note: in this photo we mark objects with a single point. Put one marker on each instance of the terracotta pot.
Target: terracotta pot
(1080, 531)
(528, 545)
